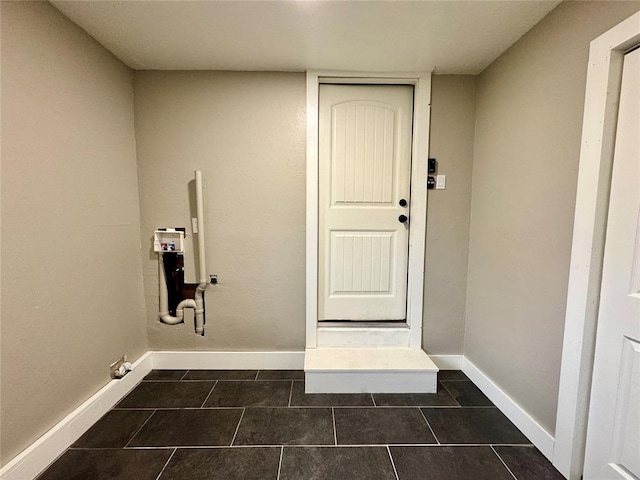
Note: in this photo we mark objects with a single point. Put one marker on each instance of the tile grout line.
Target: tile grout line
(393, 464)
(355, 445)
(185, 374)
(326, 445)
(166, 463)
(210, 392)
(237, 427)
(257, 373)
(335, 433)
(290, 393)
(373, 400)
(429, 425)
(138, 430)
(280, 462)
(378, 407)
(503, 463)
(454, 398)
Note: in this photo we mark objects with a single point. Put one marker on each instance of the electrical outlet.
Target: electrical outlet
(213, 278)
(441, 182)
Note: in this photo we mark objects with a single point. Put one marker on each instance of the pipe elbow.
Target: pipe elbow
(168, 319)
(186, 304)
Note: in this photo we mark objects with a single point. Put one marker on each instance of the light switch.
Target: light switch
(441, 182)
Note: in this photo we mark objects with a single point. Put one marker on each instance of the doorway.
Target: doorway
(613, 430)
(410, 335)
(603, 89)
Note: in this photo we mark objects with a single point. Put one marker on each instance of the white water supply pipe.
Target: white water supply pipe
(202, 268)
(198, 303)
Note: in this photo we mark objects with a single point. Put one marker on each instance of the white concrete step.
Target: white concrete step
(369, 370)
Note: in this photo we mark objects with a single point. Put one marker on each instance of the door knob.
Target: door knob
(403, 202)
(403, 218)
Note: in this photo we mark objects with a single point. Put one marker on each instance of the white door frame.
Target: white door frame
(594, 183)
(418, 206)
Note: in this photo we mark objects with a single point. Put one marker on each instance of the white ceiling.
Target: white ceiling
(445, 36)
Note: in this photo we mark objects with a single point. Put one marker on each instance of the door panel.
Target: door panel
(365, 165)
(361, 262)
(613, 432)
(362, 153)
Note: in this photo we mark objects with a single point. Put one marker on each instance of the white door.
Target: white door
(364, 171)
(613, 432)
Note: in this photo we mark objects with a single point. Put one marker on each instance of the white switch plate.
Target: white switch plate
(441, 182)
(194, 225)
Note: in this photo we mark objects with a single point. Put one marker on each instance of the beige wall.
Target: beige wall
(246, 132)
(527, 140)
(71, 272)
(451, 143)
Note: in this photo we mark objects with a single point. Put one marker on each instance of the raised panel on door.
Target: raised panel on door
(362, 153)
(365, 163)
(613, 432)
(362, 262)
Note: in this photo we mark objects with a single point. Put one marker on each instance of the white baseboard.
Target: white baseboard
(542, 439)
(228, 360)
(40, 454)
(447, 362)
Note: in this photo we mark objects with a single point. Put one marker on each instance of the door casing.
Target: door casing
(418, 209)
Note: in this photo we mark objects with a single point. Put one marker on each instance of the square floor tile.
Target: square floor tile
(442, 398)
(336, 463)
(183, 428)
(167, 395)
(117, 464)
(221, 375)
(448, 463)
(223, 464)
(301, 399)
(114, 429)
(247, 394)
(483, 425)
(165, 375)
(286, 426)
(281, 375)
(467, 394)
(369, 426)
(452, 375)
(527, 463)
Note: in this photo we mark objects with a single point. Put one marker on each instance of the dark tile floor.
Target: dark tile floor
(229, 424)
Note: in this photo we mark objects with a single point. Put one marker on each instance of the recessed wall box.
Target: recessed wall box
(168, 240)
